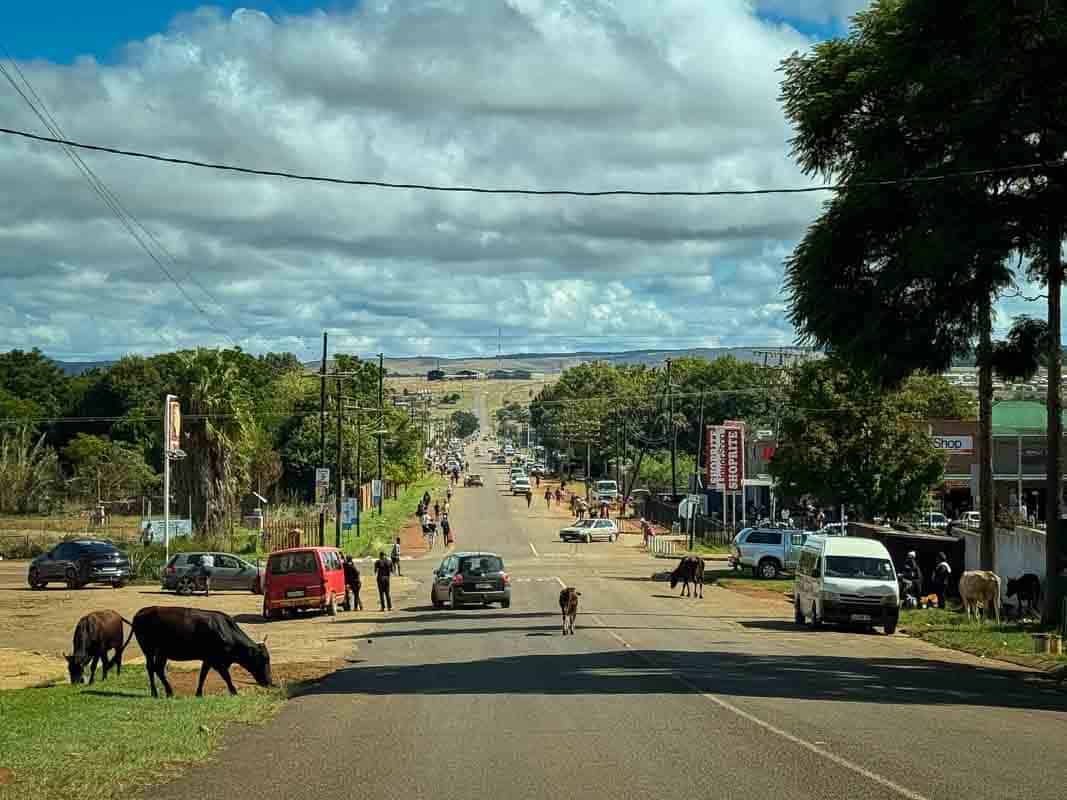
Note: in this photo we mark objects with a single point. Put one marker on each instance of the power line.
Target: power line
(429, 187)
(132, 225)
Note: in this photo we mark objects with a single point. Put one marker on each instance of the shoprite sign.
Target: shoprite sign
(954, 444)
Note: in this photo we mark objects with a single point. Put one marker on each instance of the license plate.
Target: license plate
(861, 617)
(295, 593)
(483, 586)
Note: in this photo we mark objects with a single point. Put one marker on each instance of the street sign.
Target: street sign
(734, 458)
(322, 484)
(376, 490)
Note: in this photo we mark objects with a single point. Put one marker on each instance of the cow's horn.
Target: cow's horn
(264, 640)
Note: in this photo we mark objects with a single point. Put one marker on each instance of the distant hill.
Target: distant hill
(78, 367)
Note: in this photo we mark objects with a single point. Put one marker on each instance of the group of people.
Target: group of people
(439, 518)
(383, 571)
(912, 579)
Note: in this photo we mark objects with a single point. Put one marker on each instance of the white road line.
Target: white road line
(534, 549)
(810, 746)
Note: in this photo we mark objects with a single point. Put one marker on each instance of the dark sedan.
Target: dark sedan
(471, 578)
(78, 563)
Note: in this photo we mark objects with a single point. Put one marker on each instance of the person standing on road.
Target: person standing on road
(529, 497)
(207, 566)
(448, 495)
(446, 531)
(436, 510)
(942, 575)
(396, 556)
(559, 497)
(383, 568)
(548, 497)
(353, 582)
(426, 499)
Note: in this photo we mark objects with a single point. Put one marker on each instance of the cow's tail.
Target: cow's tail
(123, 650)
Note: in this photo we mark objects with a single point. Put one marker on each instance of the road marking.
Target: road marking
(813, 747)
(534, 549)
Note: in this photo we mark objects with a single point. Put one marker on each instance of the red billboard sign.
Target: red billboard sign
(734, 456)
(715, 461)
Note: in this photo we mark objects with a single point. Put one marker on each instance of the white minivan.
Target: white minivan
(848, 580)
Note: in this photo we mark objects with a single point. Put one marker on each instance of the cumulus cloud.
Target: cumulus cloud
(537, 93)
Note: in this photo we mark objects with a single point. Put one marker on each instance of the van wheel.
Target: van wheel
(768, 569)
(798, 615)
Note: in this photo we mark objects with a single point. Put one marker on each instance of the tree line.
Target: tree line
(250, 423)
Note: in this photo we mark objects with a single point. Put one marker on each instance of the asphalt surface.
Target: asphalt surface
(655, 696)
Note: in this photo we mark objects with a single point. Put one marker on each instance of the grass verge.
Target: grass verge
(947, 628)
(377, 532)
(744, 581)
(711, 549)
(112, 738)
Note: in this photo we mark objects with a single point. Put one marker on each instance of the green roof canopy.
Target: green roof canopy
(1014, 417)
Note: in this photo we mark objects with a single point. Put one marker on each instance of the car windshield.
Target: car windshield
(97, 548)
(871, 568)
(585, 523)
(606, 486)
(290, 563)
(481, 565)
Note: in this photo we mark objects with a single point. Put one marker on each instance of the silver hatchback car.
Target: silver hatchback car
(228, 573)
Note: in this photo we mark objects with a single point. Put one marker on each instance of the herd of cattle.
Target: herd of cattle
(165, 634)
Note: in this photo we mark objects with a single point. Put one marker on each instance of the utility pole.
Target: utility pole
(696, 469)
(322, 436)
(339, 483)
(674, 434)
(359, 470)
(381, 415)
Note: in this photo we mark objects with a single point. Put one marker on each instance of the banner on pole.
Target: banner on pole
(734, 455)
(376, 490)
(349, 513)
(715, 462)
(174, 412)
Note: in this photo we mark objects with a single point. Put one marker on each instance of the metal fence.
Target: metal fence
(707, 530)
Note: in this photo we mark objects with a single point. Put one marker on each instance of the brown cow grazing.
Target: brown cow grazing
(568, 606)
(689, 570)
(980, 587)
(94, 635)
(192, 634)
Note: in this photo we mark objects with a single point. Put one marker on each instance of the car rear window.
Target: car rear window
(96, 548)
(481, 565)
(764, 537)
(292, 563)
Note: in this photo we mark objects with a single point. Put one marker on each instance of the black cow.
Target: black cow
(190, 634)
(568, 606)
(1028, 588)
(94, 635)
(689, 570)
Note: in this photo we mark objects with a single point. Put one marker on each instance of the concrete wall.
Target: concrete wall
(1019, 551)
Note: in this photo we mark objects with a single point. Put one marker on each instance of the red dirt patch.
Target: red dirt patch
(296, 677)
(6, 776)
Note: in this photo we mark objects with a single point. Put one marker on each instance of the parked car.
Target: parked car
(588, 530)
(80, 562)
(230, 572)
(473, 480)
(303, 578)
(971, 519)
(767, 551)
(833, 529)
(501, 459)
(933, 519)
(464, 578)
(520, 485)
(848, 580)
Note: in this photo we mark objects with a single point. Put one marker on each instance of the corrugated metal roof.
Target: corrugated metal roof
(1012, 417)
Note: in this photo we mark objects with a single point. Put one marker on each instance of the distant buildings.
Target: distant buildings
(461, 375)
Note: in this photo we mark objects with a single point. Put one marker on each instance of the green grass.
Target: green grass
(711, 549)
(70, 741)
(731, 579)
(378, 532)
(947, 628)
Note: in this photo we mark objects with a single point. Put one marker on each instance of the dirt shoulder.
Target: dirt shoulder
(36, 626)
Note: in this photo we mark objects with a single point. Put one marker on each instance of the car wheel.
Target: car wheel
(120, 583)
(331, 606)
(588, 538)
(436, 603)
(34, 579)
(768, 569)
(185, 586)
(505, 604)
(798, 615)
(72, 579)
(611, 538)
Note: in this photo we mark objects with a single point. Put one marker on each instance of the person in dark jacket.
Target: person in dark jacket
(383, 569)
(912, 573)
(942, 576)
(353, 582)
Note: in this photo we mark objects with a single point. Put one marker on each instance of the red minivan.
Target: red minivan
(303, 577)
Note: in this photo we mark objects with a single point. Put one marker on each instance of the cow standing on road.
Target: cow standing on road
(689, 570)
(568, 606)
(94, 635)
(170, 633)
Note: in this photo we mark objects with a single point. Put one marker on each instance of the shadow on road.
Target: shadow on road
(899, 681)
(475, 613)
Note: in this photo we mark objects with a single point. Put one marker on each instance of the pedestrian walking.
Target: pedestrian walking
(446, 508)
(446, 530)
(548, 498)
(383, 568)
(529, 497)
(207, 566)
(559, 497)
(396, 556)
(436, 510)
(537, 478)
(353, 583)
(448, 495)
(426, 499)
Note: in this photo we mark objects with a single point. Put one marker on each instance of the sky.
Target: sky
(587, 94)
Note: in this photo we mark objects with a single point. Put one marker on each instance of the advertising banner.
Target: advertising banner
(734, 457)
(715, 448)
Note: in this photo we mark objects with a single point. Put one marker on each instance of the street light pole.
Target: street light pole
(322, 436)
(339, 483)
(381, 413)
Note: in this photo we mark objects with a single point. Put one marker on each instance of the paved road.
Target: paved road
(655, 697)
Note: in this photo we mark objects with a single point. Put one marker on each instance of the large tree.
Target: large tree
(847, 441)
(916, 91)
